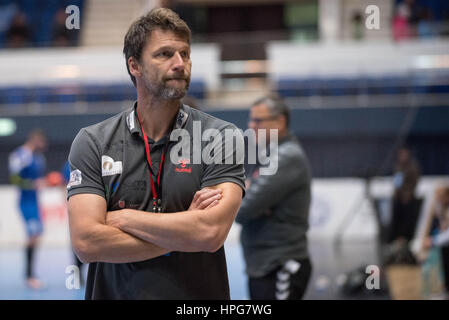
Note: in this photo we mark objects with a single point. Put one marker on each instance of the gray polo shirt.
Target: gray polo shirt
(108, 159)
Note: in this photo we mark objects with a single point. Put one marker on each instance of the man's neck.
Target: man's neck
(282, 134)
(157, 115)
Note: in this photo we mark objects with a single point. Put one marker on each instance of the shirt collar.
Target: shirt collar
(133, 122)
(181, 118)
(288, 137)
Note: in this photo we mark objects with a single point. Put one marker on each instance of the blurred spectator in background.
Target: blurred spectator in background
(275, 211)
(437, 229)
(358, 26)
(405, 204)
(413, 15)
(27, 166)
(401, 26)
(420, 19)
(426, 25)
(7, 13)
(18, 34)
(61, 36)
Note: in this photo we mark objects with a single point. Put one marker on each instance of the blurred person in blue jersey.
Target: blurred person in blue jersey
(275, 211)
(27, 167)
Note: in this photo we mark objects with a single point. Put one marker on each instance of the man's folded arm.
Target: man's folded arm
(95, 241)
(192, 231)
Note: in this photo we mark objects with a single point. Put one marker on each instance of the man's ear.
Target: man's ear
(283, 121)
(134, 67)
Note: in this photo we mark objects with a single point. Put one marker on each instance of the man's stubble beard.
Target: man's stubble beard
(161, 90)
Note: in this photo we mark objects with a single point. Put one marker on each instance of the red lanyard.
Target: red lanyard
(156, 201)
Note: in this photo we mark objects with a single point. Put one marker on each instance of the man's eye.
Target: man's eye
(164, 54)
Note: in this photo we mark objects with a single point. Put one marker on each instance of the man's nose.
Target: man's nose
(179, 63)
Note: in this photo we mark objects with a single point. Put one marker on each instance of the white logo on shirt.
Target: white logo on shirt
(109, 167)
(130, 120)
(75, 178)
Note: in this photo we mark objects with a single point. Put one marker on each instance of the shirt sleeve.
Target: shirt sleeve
(227, 165)
(85, 166)
(267, 190)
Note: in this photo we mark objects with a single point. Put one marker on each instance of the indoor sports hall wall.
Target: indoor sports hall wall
(340, 211)
(343, 142)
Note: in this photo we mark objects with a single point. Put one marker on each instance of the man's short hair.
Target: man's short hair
(138, 33)
(276, 106)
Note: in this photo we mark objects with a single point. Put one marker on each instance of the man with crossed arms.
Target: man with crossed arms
(150, 227)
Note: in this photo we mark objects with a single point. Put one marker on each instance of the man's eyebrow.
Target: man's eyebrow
(168, 47)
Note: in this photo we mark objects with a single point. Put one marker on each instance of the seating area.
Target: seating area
(36, 22)
(286, 87)
(15, 95)
(379, 85)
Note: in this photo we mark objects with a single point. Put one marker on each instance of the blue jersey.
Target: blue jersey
(66, 172)
(25, 167)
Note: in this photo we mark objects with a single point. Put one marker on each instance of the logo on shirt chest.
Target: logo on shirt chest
(109, 167)
(122, 204)
(184, 166)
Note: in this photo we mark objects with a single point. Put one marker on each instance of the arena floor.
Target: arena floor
(329, 264)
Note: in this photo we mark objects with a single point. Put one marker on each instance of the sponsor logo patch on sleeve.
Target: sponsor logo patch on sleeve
(75, 178)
